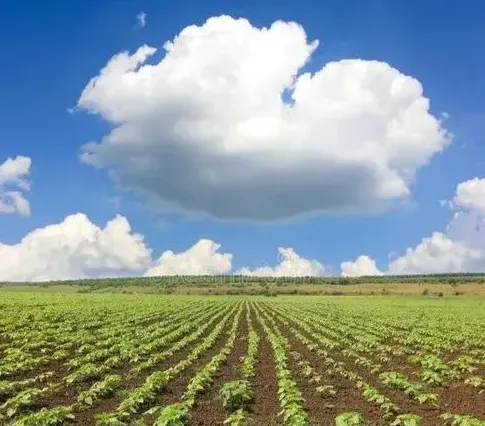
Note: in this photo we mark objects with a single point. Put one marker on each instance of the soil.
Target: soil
(209, 409)
(323, 410)
(265, 406)
(454, 397)
(174, 388)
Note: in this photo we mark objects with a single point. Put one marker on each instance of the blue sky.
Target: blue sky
(50, 51)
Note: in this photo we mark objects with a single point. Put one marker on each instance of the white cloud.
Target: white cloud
(75, 248)
(141, 19)
(436, 254)
(470, 195)
(290, 265)
(202, 258)
(13, 174)
(460, 249)
(205, 129)
(362, 266)
(468, 222)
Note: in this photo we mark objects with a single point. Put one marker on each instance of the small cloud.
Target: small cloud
(362, 266)
(13, 185)
(446, 203)
(163, 224)
(141, 19)
(73, 110)
(290, 264)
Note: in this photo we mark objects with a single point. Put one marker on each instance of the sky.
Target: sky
(261, 138)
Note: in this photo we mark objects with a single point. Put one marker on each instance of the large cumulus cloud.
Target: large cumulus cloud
(75, 248)
(206, 129)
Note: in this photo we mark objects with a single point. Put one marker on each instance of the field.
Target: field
(112, 359)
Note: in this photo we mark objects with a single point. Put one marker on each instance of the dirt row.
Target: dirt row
(68, 395)
(171, 392)
(454, 397)
(264, 408)
(59, 368)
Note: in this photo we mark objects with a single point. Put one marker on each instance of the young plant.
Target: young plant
(236, 394)
(407, 420)
(47, 417)
(238, 418)
(350, 418)
(173, 415)
(459, 420)
(326, 390)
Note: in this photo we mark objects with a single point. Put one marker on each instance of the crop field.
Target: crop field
(94, 359)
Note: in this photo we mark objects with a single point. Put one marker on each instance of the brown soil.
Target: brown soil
(462, 399)
(455, 398)
(264, 409)
(209, 410)
(58, 367)
(171, 393)
(68, 395)
(429, 413)
(175, 389)
(323, 410)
